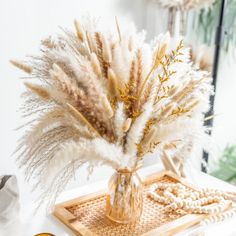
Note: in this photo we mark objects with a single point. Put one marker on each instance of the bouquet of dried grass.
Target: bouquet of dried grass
(104, 97)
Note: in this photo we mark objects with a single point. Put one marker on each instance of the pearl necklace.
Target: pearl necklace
(213, 202)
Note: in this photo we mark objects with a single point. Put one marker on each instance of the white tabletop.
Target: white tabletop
(29, 225)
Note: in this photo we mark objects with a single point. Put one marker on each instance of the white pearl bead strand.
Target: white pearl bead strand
(212, 202)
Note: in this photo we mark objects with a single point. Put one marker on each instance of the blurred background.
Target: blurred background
(24, 23)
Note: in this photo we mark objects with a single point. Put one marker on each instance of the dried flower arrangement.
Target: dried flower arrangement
(183, 7)
(104, 97)
(186, 4)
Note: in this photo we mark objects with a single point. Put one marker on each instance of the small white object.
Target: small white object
(9, 200)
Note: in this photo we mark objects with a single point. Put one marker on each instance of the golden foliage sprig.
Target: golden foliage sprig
(129, 95)
(165, 61)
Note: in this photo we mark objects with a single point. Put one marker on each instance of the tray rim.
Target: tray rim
(184, 222)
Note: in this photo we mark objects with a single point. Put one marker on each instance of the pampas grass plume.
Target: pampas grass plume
(22, 66)
(79, 30)
(39, 90)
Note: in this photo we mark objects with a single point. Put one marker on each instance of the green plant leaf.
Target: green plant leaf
(207, 22)
(226, 166)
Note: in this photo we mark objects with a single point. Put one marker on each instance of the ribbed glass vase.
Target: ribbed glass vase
(125, 197)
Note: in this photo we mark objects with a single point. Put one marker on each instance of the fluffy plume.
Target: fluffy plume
(135, 133)
(103, 97)
(79, 30)
(21, 66)
(40, 91)
(119, 121)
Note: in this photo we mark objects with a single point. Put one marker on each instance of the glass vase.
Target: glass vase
(124, 202)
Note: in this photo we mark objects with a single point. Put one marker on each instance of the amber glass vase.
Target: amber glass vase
(125, 197)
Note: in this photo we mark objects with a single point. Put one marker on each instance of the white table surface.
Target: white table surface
(28, 224)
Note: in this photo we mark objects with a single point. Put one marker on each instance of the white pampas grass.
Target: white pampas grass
(97, 150)
(136, 131)
(122, 58)
(119, 121)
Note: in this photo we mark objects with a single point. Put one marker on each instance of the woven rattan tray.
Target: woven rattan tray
(86, 215)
